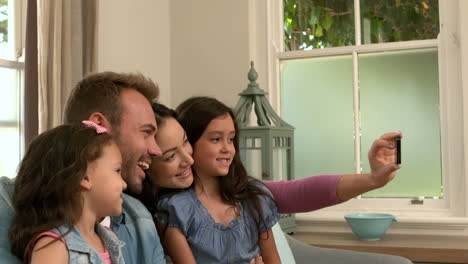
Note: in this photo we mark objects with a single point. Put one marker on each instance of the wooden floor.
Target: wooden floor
(437, 249)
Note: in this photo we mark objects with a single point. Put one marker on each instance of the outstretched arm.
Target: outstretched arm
(304, 195)
(268, 248)
(316, 192)
(178, 247)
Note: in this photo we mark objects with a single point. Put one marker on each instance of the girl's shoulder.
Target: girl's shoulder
(182, 203)
(49, 247)
(178, 210)
(182, 198)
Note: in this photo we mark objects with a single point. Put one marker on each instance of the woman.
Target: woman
(173, 171)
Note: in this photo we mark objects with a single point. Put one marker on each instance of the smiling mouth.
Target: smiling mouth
(185, 173)
(224, 161)
(143, 165)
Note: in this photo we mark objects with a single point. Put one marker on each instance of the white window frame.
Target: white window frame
(444, 216)
(17, 25)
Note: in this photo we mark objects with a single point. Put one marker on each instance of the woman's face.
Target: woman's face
(174, 168)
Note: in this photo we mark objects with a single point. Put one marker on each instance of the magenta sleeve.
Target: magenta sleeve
(304, 195)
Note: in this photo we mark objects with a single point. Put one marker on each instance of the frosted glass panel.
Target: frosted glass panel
(317, 99)
(400, 91)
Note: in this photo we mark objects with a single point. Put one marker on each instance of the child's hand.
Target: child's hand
(257, 260)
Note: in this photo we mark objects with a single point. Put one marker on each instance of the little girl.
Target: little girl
(68, 180)
(226, 216)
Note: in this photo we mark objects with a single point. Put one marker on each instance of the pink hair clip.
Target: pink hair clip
(99, 129)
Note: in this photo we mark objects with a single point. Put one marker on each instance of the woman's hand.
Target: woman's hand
(383, 169)
(382, 158)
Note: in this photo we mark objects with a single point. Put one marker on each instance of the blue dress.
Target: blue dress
(212, 242)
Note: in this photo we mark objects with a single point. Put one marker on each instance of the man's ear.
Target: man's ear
(101, 120)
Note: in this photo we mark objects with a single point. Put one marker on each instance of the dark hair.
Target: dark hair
(47, 187)
(162, 112)
(150, 195)
(100, 92)
(194, 115)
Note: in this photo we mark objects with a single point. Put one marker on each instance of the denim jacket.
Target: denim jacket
(136, 228)
(79, 251)
(7, 186)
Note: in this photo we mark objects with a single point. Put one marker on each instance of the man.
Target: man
(121, 103)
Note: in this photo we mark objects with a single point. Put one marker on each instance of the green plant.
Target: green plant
(310, 24)
(4, 23)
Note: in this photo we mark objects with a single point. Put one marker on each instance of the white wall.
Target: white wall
(201, 47)
(134, 36)
(209, 49)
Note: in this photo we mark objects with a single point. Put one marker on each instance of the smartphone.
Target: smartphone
(398, 149)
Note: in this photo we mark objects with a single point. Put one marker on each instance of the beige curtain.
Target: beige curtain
(66, 52)
(30, 75)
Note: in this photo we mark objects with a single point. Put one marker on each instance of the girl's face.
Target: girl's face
(214, 150)
(106, 183)
(174, 168)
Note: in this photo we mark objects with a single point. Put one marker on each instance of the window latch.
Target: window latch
(417, 201)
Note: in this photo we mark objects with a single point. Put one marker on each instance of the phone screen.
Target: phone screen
(398, 149)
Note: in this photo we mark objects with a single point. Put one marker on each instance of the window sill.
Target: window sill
(417, 225)
(445, 249)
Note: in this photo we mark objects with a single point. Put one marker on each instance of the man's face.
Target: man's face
(135, 138)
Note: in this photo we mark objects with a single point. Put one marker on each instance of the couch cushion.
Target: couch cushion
(282, 245)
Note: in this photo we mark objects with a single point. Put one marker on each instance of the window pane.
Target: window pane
(400, 91)
(10, 154)
(5, 47)
(391, 21)
(10, 136)
(9, 94)
(318, 24)
(3, 21)
(317, 99)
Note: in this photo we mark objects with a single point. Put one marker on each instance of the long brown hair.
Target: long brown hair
(194, 115)
(47, 187)
(151, 194)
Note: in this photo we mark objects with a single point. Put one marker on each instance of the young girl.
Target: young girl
(68, 180)
(226, 216)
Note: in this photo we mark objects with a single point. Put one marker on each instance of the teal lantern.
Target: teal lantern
(266, 141)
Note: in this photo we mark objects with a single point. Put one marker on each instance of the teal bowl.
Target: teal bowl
(369, 226)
